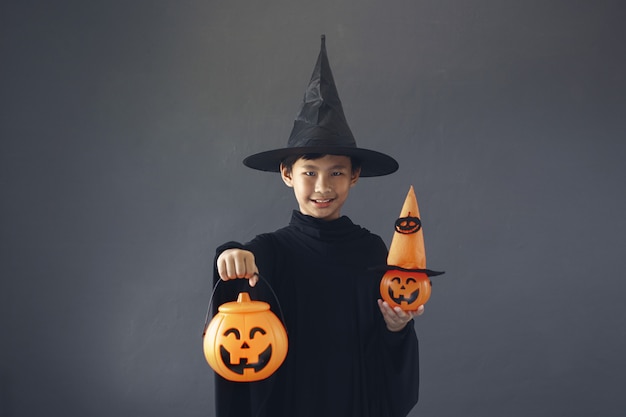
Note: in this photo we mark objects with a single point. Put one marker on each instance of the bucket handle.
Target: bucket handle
(261, 279)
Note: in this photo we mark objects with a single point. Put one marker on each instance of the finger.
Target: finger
(407, 316)
(402, 315)
(222, 269)
(252, 272)
(395, 318)
(420, 311)
(255, 278)
(246, 267)
(231, 268)
(386, 309)
(392, 315)
(240, 268)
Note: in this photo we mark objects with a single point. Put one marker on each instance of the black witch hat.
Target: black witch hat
(321, 127)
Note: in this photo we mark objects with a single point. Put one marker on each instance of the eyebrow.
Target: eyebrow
(338, 166)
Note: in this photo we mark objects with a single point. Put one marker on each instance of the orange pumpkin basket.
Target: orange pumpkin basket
(245, 341)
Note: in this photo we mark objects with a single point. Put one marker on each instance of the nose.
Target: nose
(322, 185)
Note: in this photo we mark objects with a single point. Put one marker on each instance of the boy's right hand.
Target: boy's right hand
(237, 263)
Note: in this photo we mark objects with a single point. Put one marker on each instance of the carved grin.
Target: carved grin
(238, 368)
(402, 299)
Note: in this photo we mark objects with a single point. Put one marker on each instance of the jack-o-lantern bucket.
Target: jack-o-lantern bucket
(245, 341)
(405, 289)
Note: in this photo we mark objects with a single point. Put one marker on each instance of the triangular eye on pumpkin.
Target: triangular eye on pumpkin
(245, 341)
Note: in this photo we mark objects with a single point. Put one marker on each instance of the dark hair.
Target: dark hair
(290, 160)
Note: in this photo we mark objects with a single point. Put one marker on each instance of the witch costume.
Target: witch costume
(342, 360)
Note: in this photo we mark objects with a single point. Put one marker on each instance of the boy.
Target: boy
(350, 354)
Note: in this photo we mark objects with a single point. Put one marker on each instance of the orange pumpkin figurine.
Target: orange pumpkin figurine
(245, 341)
(406, 284)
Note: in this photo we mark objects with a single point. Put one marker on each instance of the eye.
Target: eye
(309, 173)
(233, 331)
(256, 330)
(337, 173)
(410, 280)
(396, 280)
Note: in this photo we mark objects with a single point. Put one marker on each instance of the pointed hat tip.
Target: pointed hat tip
(410, 206)
(407, 245)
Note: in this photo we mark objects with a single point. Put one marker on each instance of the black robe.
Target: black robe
(342, 360)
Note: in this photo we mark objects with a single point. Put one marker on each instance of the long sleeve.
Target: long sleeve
(401, 361)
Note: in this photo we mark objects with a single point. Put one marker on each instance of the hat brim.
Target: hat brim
(373, 164)
(428, 272)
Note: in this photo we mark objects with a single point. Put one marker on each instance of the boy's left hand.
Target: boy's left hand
(396, 318)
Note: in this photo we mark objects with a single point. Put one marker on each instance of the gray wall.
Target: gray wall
(123, 126)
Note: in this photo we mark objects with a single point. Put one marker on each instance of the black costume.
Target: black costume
(342, 360)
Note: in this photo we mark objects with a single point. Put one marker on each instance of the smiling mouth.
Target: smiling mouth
(238, 368)
(326, 200)
(402, 299)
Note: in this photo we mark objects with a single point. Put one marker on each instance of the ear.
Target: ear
(355, 177)
(286, 175)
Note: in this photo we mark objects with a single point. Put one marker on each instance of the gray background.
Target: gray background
(123, 127)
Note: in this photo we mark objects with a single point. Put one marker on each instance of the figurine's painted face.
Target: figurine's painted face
(408, 225)
(321, 186)
(405, 289)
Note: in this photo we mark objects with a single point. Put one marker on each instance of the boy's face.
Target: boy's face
(321, 185)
